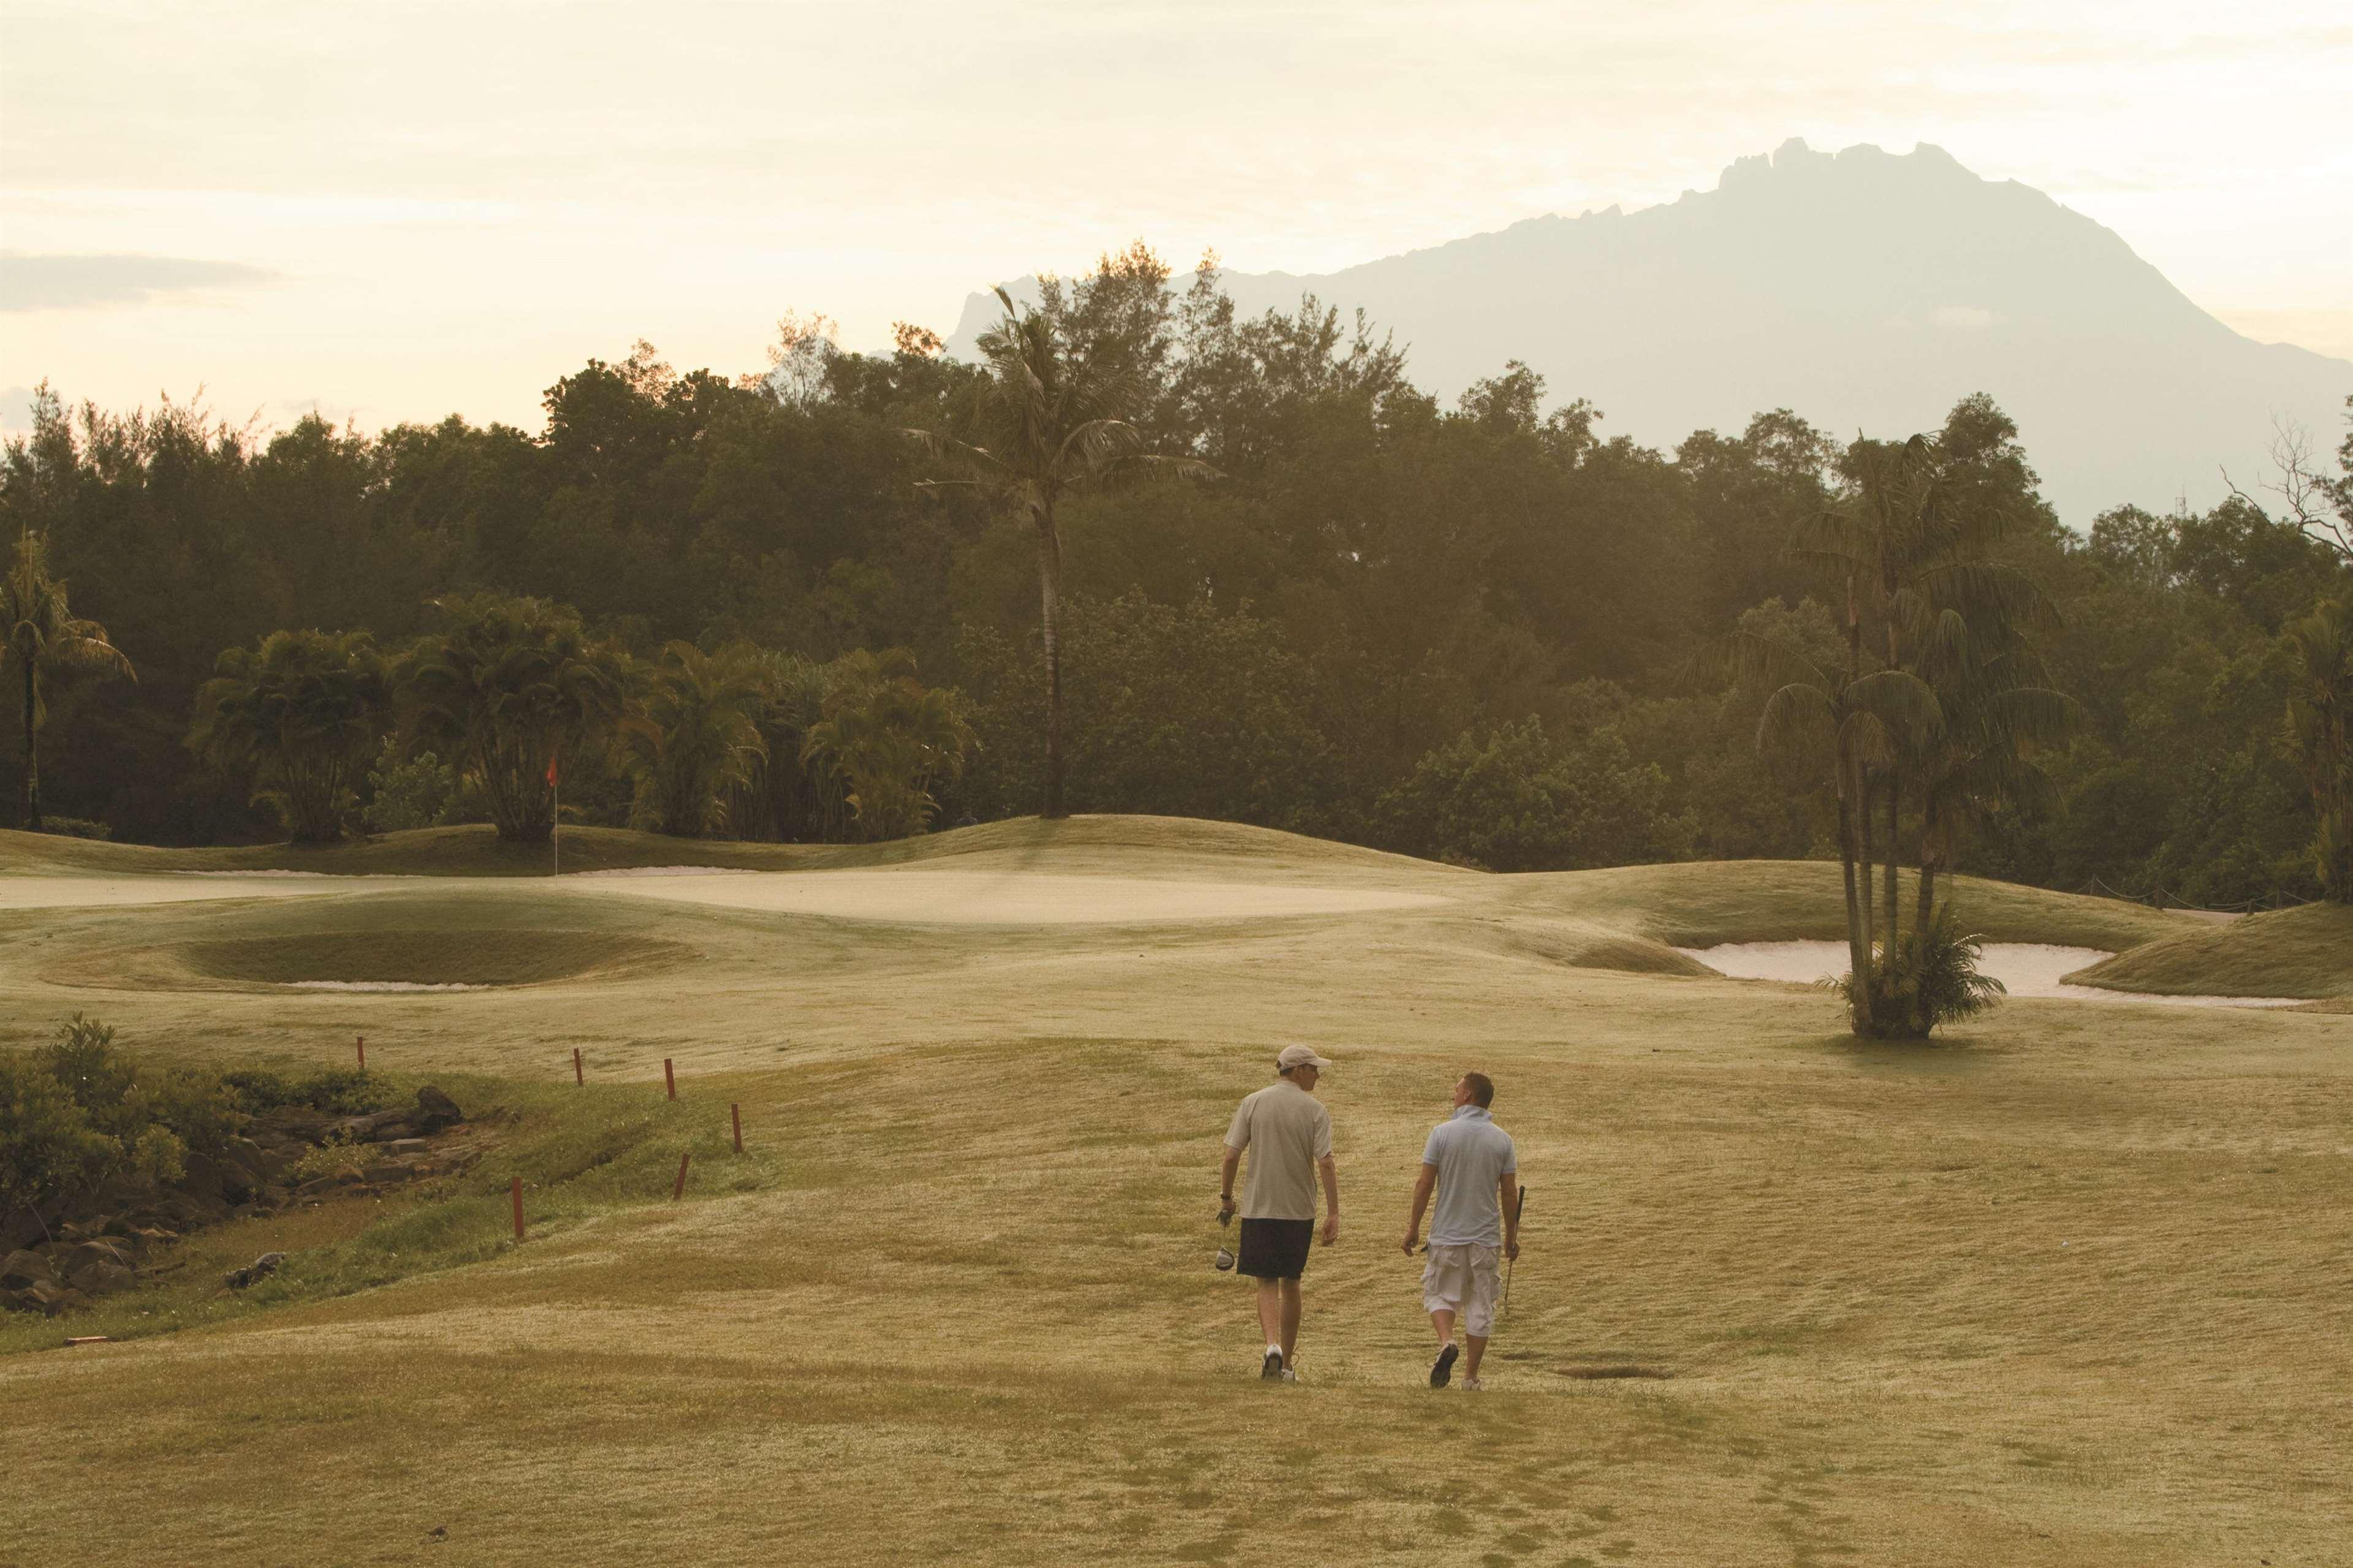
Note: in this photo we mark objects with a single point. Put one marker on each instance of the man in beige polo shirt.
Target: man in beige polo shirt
(1289, 1136)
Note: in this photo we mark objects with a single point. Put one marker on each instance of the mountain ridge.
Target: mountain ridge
(1860, 288)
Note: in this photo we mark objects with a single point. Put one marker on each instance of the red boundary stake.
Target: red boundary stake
(679, 1191)
(670, 1078)
(577, 1076)
(735, 1114)
(362, 1050)
(514, 1191)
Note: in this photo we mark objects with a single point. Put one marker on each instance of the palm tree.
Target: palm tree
(1055, 420)
(43, 637)
(1857, 715)
(300, 714)
(2320, 723)
(693, 739)
(514, 685)
(890, 742)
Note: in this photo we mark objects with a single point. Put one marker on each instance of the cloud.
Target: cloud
(94, 282)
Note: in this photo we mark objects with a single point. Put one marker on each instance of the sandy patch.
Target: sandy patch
(975, 898)
(380, 986)
(2027, 969)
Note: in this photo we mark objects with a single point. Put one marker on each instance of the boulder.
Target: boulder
(72, 1260)
(23, 1267)
(46, 1297)
(436, 1110)
(409, 1149)
(101, 1278)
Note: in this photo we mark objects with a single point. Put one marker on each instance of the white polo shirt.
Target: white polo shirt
(1472, 1155)
(1286, 1131)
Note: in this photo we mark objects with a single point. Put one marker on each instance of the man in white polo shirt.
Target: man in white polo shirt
(1471, 1162)
(1288, 1137)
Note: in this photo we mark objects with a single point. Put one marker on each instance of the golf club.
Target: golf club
(1519, 1208)
(1226, 1260)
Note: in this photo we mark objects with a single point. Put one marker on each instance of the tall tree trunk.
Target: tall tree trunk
(1858, 937)
(1049, 594)
(1895, 853)
(1929, 856)
(31, 816)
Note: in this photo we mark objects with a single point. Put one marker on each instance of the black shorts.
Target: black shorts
(1276, 1248)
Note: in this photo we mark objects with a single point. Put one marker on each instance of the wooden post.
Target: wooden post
(514, 1191)
(577, 1076)
(670, 1079)
(362, 1049)
(679, 1191)
(735, 1114)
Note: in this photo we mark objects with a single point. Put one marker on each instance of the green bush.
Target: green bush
(336, 1091)
(47, 1144)
(76, 828)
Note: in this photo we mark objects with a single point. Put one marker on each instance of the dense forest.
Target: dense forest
(1480, 632)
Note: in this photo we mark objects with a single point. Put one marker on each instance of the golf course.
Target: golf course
(2067, 1285)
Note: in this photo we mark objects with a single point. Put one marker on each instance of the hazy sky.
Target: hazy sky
(398, 210)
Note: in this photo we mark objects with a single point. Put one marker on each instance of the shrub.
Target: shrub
(76, 828)
(1932, 978)
(47, 1144)
(339, 1091)
(417, 793)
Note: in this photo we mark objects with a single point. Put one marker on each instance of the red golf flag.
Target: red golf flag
(551, 772)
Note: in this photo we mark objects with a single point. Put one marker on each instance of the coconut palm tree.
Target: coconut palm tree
(43, 637)
(300, 714)
(691, 739)
(514, 685)
(1055, 421)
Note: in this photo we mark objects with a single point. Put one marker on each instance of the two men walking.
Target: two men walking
(1469, 1162)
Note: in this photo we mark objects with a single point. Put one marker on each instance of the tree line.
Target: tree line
(1488, 632)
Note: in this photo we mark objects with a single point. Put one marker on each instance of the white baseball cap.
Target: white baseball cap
(1299, 1057)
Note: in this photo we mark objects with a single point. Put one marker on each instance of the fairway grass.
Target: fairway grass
(2063, 1288)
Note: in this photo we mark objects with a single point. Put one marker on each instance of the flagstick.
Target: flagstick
(555, 822)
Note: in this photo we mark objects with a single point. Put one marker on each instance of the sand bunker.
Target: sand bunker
(978, 898)
(379, 985)
(2027, 969)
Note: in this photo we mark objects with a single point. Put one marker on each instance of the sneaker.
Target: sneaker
(1271, 1368)
(1472, 1385)
(1443, 1367)
(1289, 1374)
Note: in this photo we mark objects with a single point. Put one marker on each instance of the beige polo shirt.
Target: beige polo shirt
(1286, 1131)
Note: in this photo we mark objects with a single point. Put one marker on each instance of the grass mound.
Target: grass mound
(476, 850)
(2306, 952)
(1704, 903)
(437, 957)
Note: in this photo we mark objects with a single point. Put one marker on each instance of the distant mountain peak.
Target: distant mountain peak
(1862, 289)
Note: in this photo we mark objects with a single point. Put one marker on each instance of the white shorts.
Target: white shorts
(1463, 1277)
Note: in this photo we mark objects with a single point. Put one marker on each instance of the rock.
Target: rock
(436, 1110)
(22, 1268)
(409, 1149)
(206, 1177)
(72, 1260)
(260, 1267)
(102, 1278)
(47, 1297)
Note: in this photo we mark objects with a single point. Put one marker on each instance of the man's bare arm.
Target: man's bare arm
(1330, 1171)
(1226, 1169)
(1508, 1192)
(1423, 1185)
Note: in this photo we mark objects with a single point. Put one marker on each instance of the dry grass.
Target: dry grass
(2063, 1288)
